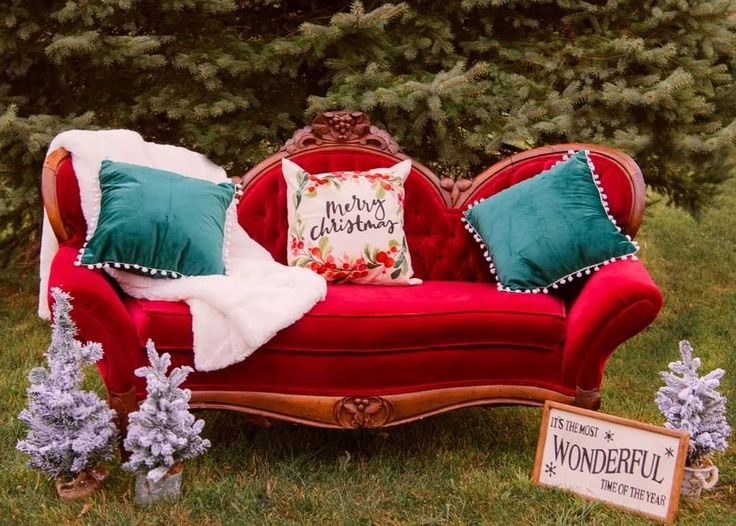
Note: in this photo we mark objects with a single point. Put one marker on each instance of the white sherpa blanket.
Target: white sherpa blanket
(232, 315)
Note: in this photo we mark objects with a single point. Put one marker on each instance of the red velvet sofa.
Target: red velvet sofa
(373, 356)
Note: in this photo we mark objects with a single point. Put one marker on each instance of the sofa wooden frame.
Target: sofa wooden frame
(347, 131)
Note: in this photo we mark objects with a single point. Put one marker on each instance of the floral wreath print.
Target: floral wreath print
(373, 260)
(309, 185)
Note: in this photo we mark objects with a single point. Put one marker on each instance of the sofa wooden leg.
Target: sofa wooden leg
(588, 398)
(123, 404)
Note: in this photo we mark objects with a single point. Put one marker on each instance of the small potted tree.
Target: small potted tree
(70, 431)
(162, 433)
(692, 403)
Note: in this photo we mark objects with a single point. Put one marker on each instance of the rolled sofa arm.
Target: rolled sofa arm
(616, 303)
(100, 316)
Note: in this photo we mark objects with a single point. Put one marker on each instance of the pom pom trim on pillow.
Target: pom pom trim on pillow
(230, 219)
(584, 271)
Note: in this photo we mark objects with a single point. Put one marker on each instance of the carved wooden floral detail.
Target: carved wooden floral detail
(363, 412)
(455, 187)
(341, 127)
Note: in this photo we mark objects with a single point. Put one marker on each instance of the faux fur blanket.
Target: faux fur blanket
(233, 314)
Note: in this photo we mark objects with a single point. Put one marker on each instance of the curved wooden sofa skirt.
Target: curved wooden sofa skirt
(366, 410)
(371, 411)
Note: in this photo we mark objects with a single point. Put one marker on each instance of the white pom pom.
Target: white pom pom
(153, 271)
(106, 265)
(126, 266)
(117, 265)
(634, 258)
(164, 273)
(579, 274)
(555, 286)
(98, 265)
(517, 291)
(91, 267)
(565, 157)
(77, 263)
(587, 272)
(571, 152)
(563, 280)
(545, 290)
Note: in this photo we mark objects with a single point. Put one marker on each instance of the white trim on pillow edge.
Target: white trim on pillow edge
(578, 273)
(230, 218)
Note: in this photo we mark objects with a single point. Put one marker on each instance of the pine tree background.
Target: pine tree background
(459, 84)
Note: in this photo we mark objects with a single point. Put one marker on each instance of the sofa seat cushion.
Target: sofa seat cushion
(366, 318)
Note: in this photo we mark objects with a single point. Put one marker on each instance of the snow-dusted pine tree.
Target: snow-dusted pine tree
(162, 432)
(692, 403)
(70, 430)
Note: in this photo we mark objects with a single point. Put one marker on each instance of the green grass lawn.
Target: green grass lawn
(467, 467)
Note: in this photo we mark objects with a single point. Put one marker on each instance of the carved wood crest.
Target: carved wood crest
(341, 127)
(356, 412)
(455, 187)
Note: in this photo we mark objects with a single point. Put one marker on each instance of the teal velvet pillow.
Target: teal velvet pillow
(548, 229)
(158, 223)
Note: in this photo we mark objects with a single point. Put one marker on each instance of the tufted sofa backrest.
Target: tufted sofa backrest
(438, 243)
(440, 247)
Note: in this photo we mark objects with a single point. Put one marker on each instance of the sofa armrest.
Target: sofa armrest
(616, 303)
(100, 316)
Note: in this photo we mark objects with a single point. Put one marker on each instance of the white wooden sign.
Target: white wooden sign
(622, 462)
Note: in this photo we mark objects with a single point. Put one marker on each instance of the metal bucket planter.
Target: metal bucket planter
(82, 486)
(168, 488)
(695, 480)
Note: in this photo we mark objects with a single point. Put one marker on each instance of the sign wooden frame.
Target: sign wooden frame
(584, 425)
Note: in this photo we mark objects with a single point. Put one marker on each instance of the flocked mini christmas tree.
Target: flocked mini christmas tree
(162, 432)
(692, 403)
(71, 430)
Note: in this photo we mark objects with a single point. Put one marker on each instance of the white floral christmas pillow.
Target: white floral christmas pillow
(349, 226)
